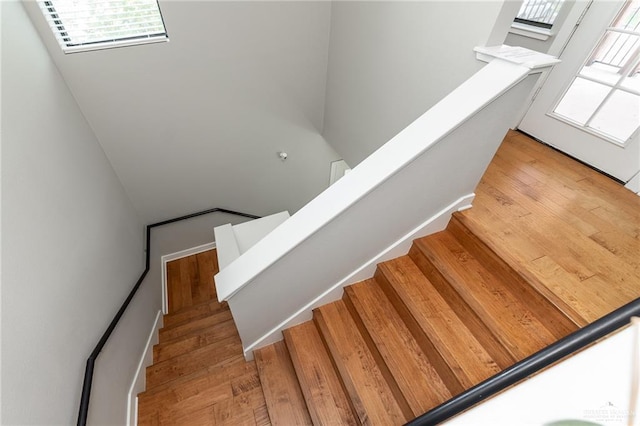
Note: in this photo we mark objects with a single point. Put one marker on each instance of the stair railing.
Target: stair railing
(88, 372)
(535, 363)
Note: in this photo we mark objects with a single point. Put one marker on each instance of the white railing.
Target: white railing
(406, 189)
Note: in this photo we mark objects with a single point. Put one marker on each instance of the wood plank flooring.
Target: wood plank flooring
(565, 226)
(199, 375)
(549, 246)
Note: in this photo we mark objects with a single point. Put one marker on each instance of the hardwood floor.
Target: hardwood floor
(199, 375)
(549, 246)
(571, 230)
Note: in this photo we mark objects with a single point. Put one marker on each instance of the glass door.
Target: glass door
(589, 106)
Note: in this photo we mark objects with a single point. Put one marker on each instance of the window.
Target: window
(81, 25)
(539, 13)
(604, 96)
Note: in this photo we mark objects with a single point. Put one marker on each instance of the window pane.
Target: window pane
(632, 81)
(614, 51)
(619, 116)
(581, 100)
(540, 11)
(91, 22)
(629, 18)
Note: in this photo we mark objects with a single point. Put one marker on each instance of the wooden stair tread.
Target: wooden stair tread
(323, 392)
(221, 369)
(185, 364)
(512, 322)
(188, 329)
(193, 393)
(372, 397)
(520, 258)
(416, 377)
(548, 307)
(577, 254)
(195, 399)
(466, 362)
(193, 312)
(190, 280)
(285, 402)
(204, 337)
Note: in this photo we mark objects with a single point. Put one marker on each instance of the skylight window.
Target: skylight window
(81, 25)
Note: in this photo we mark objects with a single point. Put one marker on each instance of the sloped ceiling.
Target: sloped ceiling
(197, 122)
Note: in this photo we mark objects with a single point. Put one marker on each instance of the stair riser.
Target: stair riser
(408, 366)
(384, 369)
(196, 360)
(192, 313)
(180, 346)
(433, 355)
(557, 322)
(492, 344)
(370, 394)
(193, 327)
(323, 390)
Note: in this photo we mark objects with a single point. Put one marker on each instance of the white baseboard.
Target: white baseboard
(139, 379)
(634, 184)
(399, 248)
(174, 256)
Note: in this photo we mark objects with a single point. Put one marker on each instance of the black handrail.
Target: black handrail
(88, 372)
(530, 365)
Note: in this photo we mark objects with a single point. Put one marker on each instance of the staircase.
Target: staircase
(426, 327)
(548, 247)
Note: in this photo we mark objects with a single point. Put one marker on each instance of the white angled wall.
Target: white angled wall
(72, 243)
(391, 61)
(197, 122)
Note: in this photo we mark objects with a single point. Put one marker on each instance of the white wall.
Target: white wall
(593, 386)
(72, 242)
(391, 61)
(197, 122)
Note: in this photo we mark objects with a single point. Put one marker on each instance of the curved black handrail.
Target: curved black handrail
(88, 372)
(530, 365)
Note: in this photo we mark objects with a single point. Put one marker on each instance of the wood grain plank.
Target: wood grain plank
(188, 343)
(516, 327)
(547, 307)
(198, 359)
(173, 287)
(203, 388)
(460, 359)
(520, 254)
(285, 402)
(417, 379)
(370, 394)
(193, 312)
(472, 320)
(207, 268)
(195, 326)
(325, 396)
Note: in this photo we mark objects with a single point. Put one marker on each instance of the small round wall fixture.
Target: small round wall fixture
(283, 155)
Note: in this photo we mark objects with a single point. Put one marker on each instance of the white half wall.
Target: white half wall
(593, 386)
(413, 178)
(72, 243)
(398, 248)
(390, 61)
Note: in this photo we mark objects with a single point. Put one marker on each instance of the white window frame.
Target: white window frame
(536, 32)
(59, 28)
